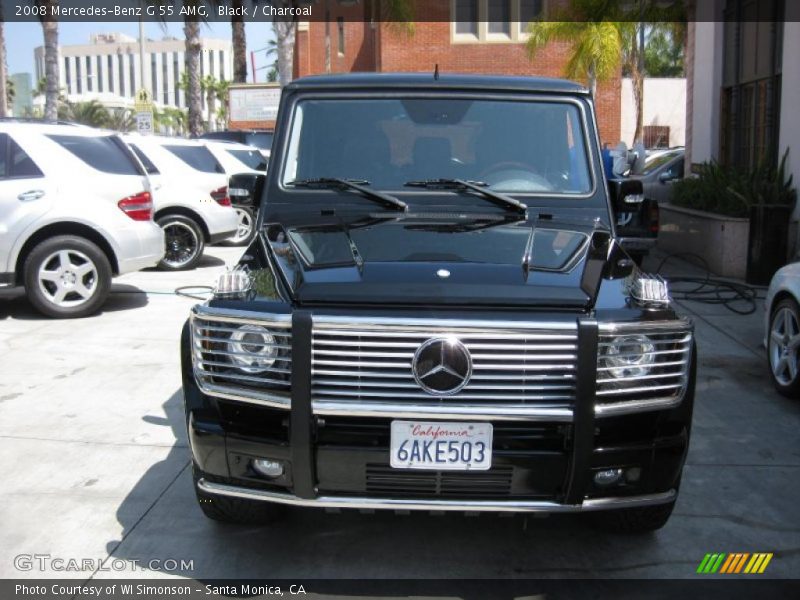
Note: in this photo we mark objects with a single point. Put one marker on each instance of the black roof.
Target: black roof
(444, 81)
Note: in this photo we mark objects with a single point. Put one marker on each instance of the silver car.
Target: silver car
(662, 168)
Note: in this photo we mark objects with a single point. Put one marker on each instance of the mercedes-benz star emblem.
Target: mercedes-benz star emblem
(442, 366)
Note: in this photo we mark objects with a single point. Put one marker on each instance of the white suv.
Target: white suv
(190, 196)
(236, 159)
(75, 210)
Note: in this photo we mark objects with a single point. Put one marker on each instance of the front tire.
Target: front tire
(641, 519)
(184, 242)
(246, 228)
(235, 510)
(67, 277)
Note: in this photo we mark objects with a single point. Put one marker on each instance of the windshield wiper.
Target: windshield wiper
(356, 185)
(479, 187)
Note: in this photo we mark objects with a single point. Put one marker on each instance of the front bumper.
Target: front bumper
(339, 458)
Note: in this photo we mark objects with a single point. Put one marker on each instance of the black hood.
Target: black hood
(465, 261)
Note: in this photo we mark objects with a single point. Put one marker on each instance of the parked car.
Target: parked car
(437, 315)
(662, 168)
(240, 160)
(782, 330)
(75, 210)
(190, 196)
(245, 190)
(261, 139)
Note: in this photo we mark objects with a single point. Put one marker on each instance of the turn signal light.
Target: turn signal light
(221, 196)
(138, 207)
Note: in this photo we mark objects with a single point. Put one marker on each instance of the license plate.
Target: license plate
(441, 446)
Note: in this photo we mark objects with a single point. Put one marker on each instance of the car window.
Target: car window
(260, 139)
(197, 157)
(104, 153)
(513, 146)
(14, 162)
(657, 161)
(250, 158)
(146, 162)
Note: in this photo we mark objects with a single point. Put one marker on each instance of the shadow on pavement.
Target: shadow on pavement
(122, 297)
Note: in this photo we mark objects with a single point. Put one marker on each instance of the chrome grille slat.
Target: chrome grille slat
(372, 363)
(662, 381)
(215, 369)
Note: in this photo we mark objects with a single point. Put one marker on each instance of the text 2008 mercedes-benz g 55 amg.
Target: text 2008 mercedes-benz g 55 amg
(436, 315)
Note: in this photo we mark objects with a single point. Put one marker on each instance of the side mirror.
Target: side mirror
(626, 195)
(666, 176)
(244, 189)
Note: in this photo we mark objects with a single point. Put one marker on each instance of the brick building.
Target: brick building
(461, 36)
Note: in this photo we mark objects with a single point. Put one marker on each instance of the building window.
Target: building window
(132, 74)
(751, 89)
(99, 73)
(67, 74)
(499, 17)
(164, 78)
(176, 79)
(211, 63)
(340, 28)
(466, 17)
(78, 82)
(221, 65)
(89, 74)
(493, 20)
(154, 76)
(529, 10)
(110, 63)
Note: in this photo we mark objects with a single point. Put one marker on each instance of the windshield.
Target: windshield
(250, 158)
(656, 161)
(514, 147)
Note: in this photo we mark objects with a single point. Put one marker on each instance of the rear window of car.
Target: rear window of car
(654, 162)
(250, 158)
(104, 153)
(146, 162)
(260, 139)
(197, 157)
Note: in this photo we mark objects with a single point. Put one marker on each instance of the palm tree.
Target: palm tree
(194, 94)
(284, 39)
(239, 40)
(121, 119)
(4, 87)
(90, 113)
(50, 32)
(595, 46)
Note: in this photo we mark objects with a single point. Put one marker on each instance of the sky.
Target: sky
(22, 38)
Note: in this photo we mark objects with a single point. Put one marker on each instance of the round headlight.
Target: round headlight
(630, 355)
(252, 349)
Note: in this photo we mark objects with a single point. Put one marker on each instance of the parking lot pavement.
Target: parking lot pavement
(95, 463)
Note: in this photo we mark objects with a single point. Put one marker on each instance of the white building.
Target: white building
(743, 84)
(664, 111)
(108, 68)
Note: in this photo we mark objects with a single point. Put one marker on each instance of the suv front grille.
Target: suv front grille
(373, 363)
(228, 355)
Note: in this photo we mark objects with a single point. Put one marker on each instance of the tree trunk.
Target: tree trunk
(239, 45)
(327, 37)
(284, 38)
(194, 95)
(3, 72)
(637, 81)
(51, 74)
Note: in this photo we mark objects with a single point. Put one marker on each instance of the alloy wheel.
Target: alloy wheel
(244, 227)
(784, 341)
(68, 278)
(182, 244)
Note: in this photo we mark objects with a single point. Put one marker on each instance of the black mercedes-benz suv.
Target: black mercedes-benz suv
(436, 315)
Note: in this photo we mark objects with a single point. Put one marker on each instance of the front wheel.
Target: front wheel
(67, 277)
(184, 242)
(246, 226)
(783, 346)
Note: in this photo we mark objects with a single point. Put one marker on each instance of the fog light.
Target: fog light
(607, 477)
(267, 468)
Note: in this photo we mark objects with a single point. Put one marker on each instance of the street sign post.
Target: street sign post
(144, 112)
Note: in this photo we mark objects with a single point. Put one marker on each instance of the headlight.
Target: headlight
(252, 349)
(630, 356)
